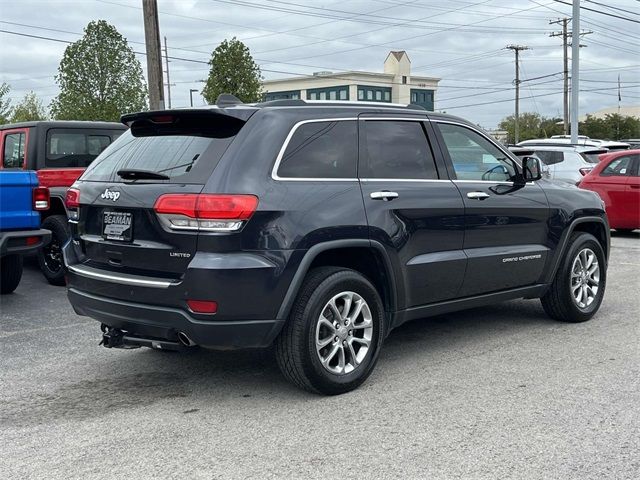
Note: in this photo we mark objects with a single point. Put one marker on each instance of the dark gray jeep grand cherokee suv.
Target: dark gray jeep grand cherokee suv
(319, 227)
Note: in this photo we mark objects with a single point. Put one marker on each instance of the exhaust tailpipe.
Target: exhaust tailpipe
(184, 339)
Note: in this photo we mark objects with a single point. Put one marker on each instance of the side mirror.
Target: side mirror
(531, 169)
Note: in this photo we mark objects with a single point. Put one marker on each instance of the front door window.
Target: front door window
(474, 157)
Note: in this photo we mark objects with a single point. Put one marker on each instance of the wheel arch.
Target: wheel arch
(56, 207)
(596, 226)
(365, 256)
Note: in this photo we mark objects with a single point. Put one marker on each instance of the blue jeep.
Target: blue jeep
(21, 200)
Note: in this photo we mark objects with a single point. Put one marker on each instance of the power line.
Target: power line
(601, 12)
(613, 8)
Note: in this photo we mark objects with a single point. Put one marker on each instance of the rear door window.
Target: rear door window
(14, 150)
(76, 148)
(325, 149)
(397, 150)
(549, 157)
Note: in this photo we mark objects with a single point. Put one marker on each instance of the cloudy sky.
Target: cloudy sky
(460, 41)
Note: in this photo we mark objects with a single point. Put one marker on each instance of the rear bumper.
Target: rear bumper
(165, 323)
(15, 242)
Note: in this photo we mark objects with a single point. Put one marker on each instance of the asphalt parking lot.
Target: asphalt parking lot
(496, 392)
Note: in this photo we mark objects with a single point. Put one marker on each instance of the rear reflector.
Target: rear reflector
(202, 306)
(41, 198)
(32, 240)
(206, 212)
(72, 199)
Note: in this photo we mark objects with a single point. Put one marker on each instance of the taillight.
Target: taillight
(72, 202)
(585, 170)
(41, 198)
(72, 199)
(205, 212)
(32, 240)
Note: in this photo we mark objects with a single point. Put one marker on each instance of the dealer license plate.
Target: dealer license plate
(117, 226)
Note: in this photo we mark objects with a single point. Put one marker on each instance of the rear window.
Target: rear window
(183, 158)
(69, 148)
(591, 157)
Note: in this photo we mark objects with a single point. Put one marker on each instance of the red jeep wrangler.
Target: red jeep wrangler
(59, 151)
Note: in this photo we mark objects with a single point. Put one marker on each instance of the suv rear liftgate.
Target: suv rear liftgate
(139, 216)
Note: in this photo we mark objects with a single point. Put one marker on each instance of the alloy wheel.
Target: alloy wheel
(344, 332)
(585, 278)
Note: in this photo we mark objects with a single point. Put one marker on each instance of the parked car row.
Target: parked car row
(59, 151)
(616, 180)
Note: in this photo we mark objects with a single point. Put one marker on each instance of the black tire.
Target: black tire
(295, 348)
(10, 273)
(50, 256)
(559, 302)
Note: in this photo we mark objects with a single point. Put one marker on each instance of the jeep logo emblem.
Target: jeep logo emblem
(109, 195)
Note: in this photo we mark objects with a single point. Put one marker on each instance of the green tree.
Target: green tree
(233, 71)
(5, 103)
(532, 125)
(29, 109)
(610, 127)
(99, 77)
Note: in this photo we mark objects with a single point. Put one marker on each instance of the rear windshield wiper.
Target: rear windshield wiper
(132, 174)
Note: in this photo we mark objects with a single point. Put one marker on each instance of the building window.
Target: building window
(423, 98)
(404, 79)
(374, 94)
(288, 95)
(330, 93)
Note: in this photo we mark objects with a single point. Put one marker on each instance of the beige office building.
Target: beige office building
(394, 85)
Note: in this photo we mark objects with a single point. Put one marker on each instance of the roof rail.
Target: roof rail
(284, 102)
(300, 102)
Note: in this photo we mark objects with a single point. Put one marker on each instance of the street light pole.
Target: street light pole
(191, 90)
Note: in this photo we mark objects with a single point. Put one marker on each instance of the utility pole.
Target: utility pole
(154, 55)
(575, 70)
(565, 48)
(517, 49)
(166, 61)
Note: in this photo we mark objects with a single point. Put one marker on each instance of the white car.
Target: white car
(586, 142)
(567, 163)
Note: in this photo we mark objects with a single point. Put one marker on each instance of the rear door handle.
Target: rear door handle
(384, 195)
(478, 195)
(634, 186)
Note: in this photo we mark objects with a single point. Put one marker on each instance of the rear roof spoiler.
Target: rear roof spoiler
(239, 113)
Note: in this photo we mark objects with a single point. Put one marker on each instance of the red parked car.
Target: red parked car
(617, 182)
